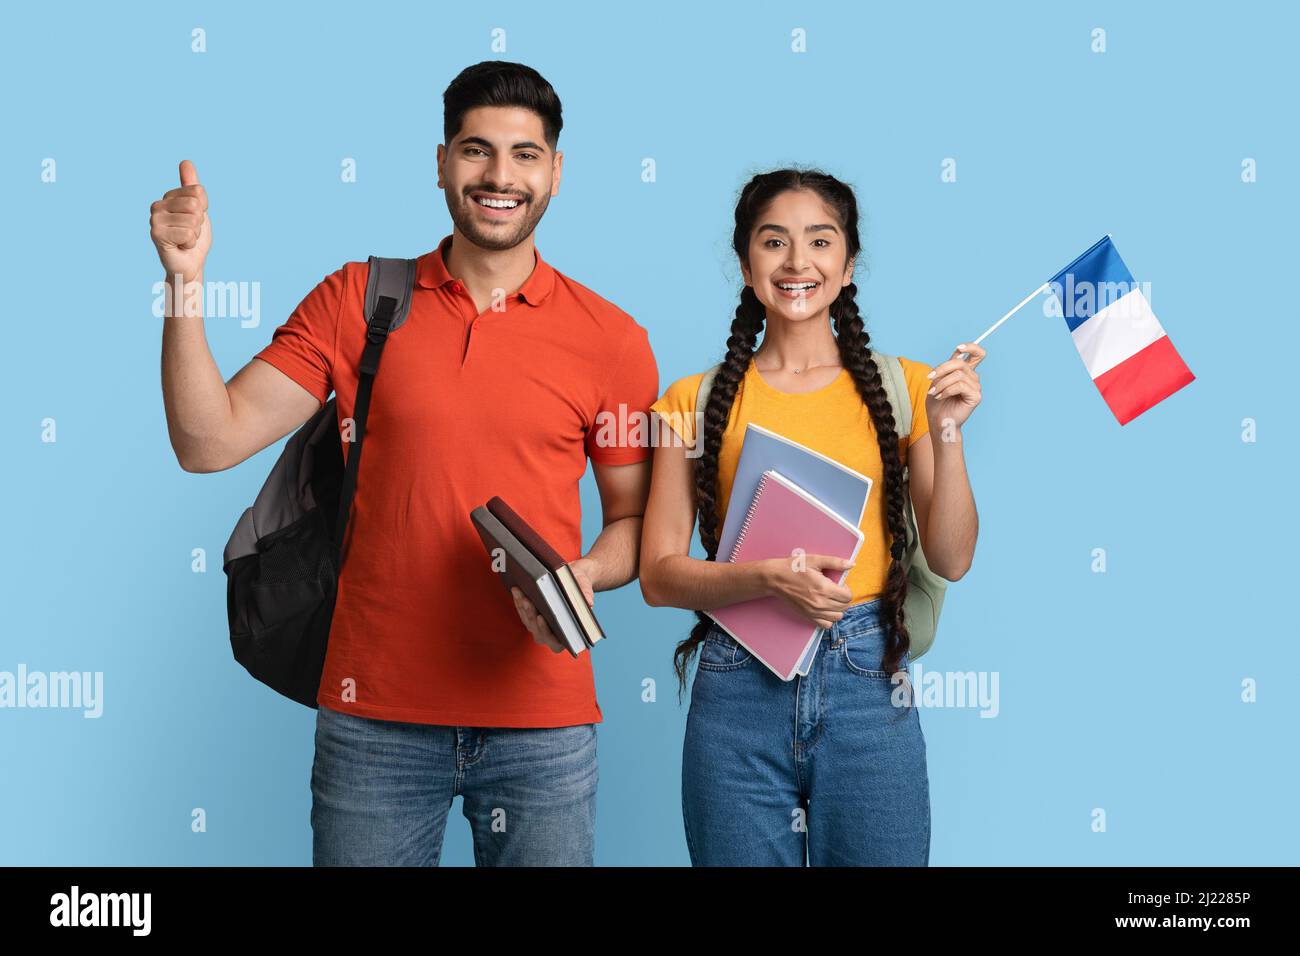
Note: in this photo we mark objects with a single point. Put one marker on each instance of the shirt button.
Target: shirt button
(457, 287)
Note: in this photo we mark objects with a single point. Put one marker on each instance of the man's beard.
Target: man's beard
(496, 237)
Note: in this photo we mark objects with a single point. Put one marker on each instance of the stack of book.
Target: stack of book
(786, 501)
(522, 558)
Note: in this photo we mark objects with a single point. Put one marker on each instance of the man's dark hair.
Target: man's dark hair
(499, 83)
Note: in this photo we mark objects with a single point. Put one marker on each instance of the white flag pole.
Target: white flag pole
(1023, 302)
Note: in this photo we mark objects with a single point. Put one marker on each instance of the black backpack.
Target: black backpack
(283, 559)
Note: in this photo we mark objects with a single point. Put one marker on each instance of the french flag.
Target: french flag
(1122, 344)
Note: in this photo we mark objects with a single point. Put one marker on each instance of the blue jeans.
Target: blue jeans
(824, 768)
(381, 790)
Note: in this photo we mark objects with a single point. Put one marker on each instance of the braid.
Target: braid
(856, 356)
(740, 350)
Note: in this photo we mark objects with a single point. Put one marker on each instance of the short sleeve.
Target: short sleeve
(914, 373)
(303, 347)
(632, 386)
(677, 406)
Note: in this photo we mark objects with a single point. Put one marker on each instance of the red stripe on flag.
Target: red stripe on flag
(1143, 379)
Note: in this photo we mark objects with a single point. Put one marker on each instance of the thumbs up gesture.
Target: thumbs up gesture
(179, 226)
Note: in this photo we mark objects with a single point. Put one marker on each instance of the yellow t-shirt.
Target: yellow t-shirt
(832, 420)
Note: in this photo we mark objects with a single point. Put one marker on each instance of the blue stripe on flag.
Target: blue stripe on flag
(1091, 282)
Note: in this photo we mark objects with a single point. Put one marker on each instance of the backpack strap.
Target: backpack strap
(891, 374)
(702, 398)
(394, 278)
(390, 285)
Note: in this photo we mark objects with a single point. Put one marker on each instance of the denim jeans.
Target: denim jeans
(824, 768)
(381, 791)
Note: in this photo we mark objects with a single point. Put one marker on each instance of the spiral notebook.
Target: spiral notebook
(783, 518)
(829, 481)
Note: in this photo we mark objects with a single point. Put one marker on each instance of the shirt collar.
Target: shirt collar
(431, 273)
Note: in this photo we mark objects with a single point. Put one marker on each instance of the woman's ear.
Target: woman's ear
(848, 273)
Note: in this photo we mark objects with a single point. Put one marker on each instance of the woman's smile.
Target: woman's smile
(798, 288)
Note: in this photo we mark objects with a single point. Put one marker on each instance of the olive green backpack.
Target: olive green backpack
(925, 589)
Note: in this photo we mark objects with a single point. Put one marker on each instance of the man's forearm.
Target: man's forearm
(195, 399)
(615, 552)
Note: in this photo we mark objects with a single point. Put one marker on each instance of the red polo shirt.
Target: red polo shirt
(465, 406)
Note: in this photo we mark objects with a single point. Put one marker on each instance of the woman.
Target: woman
(830, 767)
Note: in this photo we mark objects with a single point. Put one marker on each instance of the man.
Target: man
(496, 384)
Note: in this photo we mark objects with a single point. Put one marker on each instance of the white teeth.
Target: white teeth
(796, 286)
(498, 203)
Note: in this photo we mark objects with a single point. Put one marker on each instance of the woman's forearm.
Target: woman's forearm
(952, 525)
(678, 580)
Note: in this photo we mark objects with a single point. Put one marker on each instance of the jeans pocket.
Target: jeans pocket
(722, 652)
(864, 651)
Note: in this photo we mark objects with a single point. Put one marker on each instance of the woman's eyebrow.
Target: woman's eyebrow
(815, 227)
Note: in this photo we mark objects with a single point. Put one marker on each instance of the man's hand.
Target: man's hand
(179, 226)
(584, 571)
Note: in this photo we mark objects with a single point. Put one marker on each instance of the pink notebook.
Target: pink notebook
(782, 518)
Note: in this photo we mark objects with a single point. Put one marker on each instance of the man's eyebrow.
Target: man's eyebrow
(480, 141)
(815, 227)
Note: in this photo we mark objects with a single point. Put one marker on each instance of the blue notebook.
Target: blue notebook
(839, 487)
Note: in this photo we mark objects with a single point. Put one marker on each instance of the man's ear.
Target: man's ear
(440, 158)
(555, 172)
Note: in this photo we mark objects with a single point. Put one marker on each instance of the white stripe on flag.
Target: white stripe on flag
(1117, 332)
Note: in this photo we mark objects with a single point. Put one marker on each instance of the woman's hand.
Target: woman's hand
(800, 582)
(954, 390)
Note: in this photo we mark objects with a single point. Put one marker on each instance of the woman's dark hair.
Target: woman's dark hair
(855, 355)
(500, 83)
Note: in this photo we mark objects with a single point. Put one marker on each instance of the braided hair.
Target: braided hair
(855, 355)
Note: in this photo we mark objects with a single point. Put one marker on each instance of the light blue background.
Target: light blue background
(1118, 690)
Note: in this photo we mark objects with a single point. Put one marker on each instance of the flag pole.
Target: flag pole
(1023, 302)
